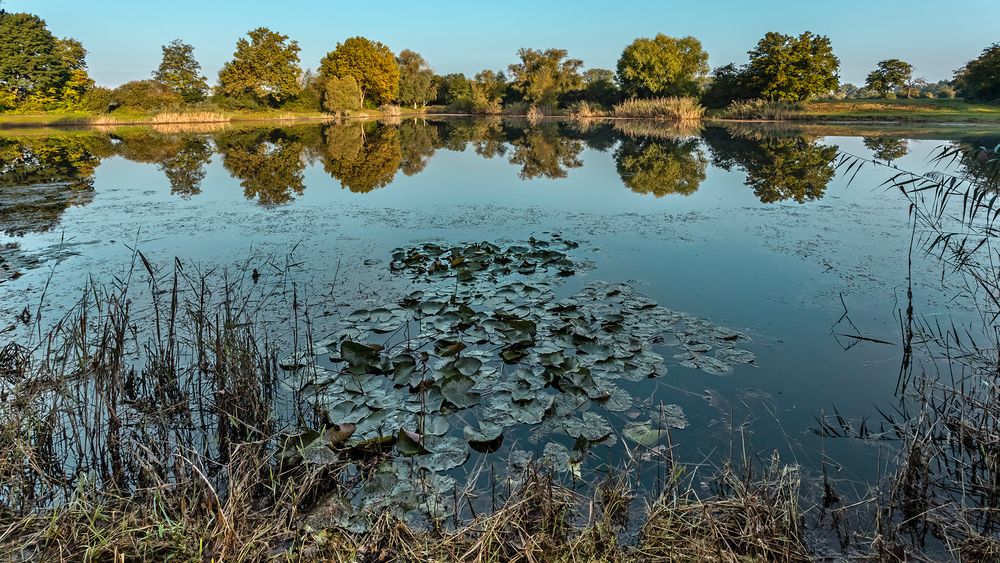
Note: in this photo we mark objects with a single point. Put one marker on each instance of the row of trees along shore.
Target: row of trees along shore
(40, 72)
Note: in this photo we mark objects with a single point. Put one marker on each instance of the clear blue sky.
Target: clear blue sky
(123, 37)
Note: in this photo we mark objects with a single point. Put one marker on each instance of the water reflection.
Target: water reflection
(41, 177)
(651, 158)
(542, 151)
(661, 167)
(778, 167)
(886, 148)
(267, 162)
(364, 156)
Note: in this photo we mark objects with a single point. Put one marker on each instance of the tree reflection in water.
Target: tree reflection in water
(362, 156)
(661, 166)
(778, 167)
(41, 177)
(267, 162)
(886, 148)
(650, 157)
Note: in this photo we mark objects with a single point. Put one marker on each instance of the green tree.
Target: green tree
(416, 79)
(791, 69)
(453, 89)
(341, 94)
(661, 167)
(889, 75)
(599, 87)
(181, 71)
(979, 79)
(486, 92)
(32, 60)
(265, 67)
(185, 168)
(542, 76)
(728, 84)
(370, 63)
(663, 66)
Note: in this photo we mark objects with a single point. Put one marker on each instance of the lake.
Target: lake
(727, 284)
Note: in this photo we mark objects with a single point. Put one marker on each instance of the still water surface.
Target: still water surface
(750, 228)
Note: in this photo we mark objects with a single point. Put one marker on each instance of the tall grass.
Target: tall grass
(769, 110)
(166, 118)
(674, 109)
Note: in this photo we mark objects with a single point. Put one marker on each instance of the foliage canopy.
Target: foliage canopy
(264, 67)
(416, 79)
(889, 75)
(542, 76)
(663, 66)
(181, 71)
(979, 79)
(370, 63)
(791, 69)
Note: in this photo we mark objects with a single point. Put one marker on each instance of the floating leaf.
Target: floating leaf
(408, 443)
(468, 366)
(457, 391)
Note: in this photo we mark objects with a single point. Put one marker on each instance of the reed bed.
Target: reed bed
(765, 110)
(673, 109)
(166, 118)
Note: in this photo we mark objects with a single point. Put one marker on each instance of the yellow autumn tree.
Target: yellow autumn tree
(371, 64)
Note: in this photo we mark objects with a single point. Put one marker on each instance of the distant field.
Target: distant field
(923, 109)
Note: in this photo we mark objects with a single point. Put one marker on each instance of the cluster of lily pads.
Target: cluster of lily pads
(484, 350)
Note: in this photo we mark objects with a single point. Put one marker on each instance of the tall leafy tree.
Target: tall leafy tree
(370, 63)
(889, 75)
(599, 86)
(486, 92)
(181, 71)
(979, 79)
(789, 68)
(727, 84)
(416, 79)
(32, 61)
(265, 67)
(663, 66)
(542, 76)
(453, 88)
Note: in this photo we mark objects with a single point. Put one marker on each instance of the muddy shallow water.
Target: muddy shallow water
(752, 231)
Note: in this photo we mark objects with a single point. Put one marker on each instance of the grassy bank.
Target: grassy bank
(900, 110)
(57, 119)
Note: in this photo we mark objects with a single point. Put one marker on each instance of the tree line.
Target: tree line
(39, 71)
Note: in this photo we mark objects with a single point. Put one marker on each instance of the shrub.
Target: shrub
(890, 95)
(927, 94)
(762, 109)
(341, 94)
(145, 95)
(98, 98)
(534, 113)
(675, 108)
(946, 92)
(390, 110)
